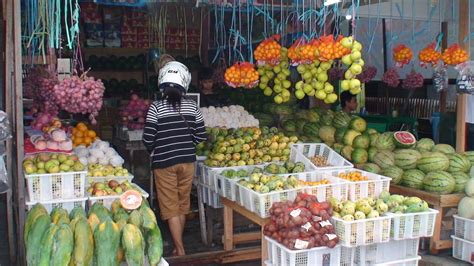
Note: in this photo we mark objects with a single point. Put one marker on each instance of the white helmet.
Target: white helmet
(174, 74)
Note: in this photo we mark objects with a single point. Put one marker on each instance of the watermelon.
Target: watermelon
(300, 125)
(425, 144)
(393, 172)
(461, 180)
(313, 116)
(413, 178)
(444, 148)
(283, 109)
(326, 133)
(404, 139)
(350, 136)
(406, 158)
(361, 141)
(337, 147)
(373, 139)
(384, 159)
(327, 117)
(432, 161)
(458, 163)
(371, 152)
(359, 156)
(440, 182)
(385, 141)
(341, 120)
(289, 125)
(470, 156)
(339, 135)
(358, 124)
(371, 167)
(311, 129)
(346, 152)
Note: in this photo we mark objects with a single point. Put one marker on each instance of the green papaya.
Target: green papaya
(133, 245)
(93, 221)
(107, 242)
(102, 213)
(121, 214)
(63, 245)
(59, 214)
(154, 246)
(77, 211)
(37, 210)
(35, 236)
(149, 218)
(116, 206)
(83, 243)
(47, 245)
(136, 219)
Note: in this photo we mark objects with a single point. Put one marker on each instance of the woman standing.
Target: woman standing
(174, 126)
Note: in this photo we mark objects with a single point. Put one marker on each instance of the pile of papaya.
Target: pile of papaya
(100, 237)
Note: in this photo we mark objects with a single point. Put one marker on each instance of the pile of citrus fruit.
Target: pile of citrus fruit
(329, 48)
(268, 51)
(429, 55)
(354, 176)
(454, 55)
(302, 51)
(402, 54)
(241, 75)
(81, 135)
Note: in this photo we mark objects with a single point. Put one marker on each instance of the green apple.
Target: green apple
(347, 42)
(278, 99)
(355, 83)
(285, 93)
(268, 91)
(328, 88)
(301, 69)
(356, 69)
(320, 94)
(307, 88)
(62, 157)
(348, 75)
(277, 88)
(347, 60)
(355, 55)
(331, 98)
(323, 77)
(299, 85)
(311, 93)
(299, 94)
(319, 85)
(356, 46)
(325, 65)
(286, 84)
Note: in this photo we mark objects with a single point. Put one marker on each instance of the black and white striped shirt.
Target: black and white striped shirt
(168, 137)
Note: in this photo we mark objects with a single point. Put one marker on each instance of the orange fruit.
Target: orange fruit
(91, 133)
(87, 141)
(79, 134)
(81, 126)
(78, 141)
(74, 130)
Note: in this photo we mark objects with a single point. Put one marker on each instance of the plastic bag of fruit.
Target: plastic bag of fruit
(268, 52)
(241, 75)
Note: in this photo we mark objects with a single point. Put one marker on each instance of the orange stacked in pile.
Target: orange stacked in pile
(429, 55)
(269, 51)
(241, 74)
(81, 135)
(329, 49)
(454, 55)
(354, 176)
(402, 54)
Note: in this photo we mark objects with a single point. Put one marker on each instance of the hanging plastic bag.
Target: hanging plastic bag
(5, 130)
(440, 77)
(3, 175)
(465, 80)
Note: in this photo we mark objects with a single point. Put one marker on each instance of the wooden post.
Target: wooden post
(444, 44)
(385, 61)
(462, 98)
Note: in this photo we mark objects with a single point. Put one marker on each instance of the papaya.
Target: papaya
(120, 254)
(77, 211)
(83, 254)
(154, 245)
(93, 221)
(73, 222)
(35, 236)
(149, 218)
(47, 245)
(107, 242)
(121, 214)
(136, 219)
(63, 245)
(59, 214)
(37, 210)
(100, 211)
(133, 245)
(116, 206)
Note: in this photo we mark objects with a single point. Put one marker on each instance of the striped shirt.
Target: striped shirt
(167, 136)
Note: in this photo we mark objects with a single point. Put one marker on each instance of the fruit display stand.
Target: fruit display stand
(441, 203)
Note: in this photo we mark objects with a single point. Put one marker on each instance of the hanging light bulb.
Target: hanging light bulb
(331, 2)
(348, 16)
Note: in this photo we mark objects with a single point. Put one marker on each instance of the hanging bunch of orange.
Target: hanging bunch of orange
(302, 52)
(81, 135)
(339, 49)
(402, 55)
(268, 51)
(454, 55)
(429, 55)
(329, 48)
(241, 74)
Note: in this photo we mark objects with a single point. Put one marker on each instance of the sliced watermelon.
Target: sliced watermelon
(404, 139)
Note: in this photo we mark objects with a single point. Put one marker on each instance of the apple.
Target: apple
(299, 85)
(299, 94)
(323, 77)
(347, 42)
(320, 94)
(325, 65)
(355, 83)
(328, 88)
(62, 158)
(278, 99)
(30, 169)
(53, 169)
(69, 162)
(345, 85)
(355, 55)
(331, 98)
(347, 60)
(307, 88)
(356, 69)
(356, 46)
(348, 75)
(40, 165)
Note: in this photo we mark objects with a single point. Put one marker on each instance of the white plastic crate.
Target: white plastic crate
(362, 232)
(412, 225)
(210, 197)
(402, 262)
(380, 253)
(120, 179)
(67, 204)
(218, 179)
(375, 184)
(464, 228)
(463, 249)
(260, 203)
(44, 187)
(309, 150)
(280, 255)
(108, 200)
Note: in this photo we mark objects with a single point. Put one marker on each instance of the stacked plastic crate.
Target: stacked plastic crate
(463, 239)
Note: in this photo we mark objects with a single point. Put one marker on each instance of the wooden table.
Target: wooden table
(230, 239)
(439, 202)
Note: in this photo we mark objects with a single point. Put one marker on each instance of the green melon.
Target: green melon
(444, 148)
(395, 173)
(384, 159)
(361, 141)
(404, 139)
(339, 135)
(458, 163)
(341, 120)
(385, 141)
(413, 178)
(350, 136)
(327, 117)
(326, 133)
(359, 156)
(372, 168)
(461, 180)
(373, 139)
(346, 152)
(425, 144)
(358, 124)
(470, 156)
(372, 152)
(432, 161)
(289, 125)
(311, 129)
(440, 182)
(406, 158)
(337, 147)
